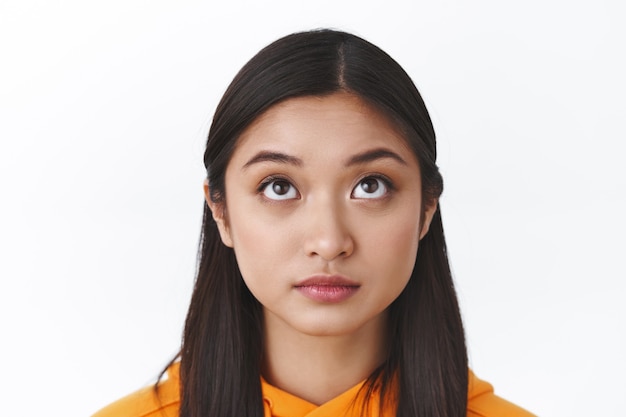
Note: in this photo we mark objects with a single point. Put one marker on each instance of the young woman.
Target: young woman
(323, 286)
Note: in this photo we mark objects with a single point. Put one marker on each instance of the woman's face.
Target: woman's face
(323, 198)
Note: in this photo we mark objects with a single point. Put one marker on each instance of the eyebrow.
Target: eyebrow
(271, 156)
(373, 155)
(362, 158)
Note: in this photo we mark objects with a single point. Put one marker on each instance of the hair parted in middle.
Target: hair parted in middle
(222, 346)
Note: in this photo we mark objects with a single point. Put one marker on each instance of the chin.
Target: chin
(328, 327)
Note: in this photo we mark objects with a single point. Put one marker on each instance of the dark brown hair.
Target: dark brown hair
(222, 344)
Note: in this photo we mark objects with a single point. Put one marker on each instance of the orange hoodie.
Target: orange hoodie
(482, 402)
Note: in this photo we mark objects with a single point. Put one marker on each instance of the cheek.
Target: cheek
(260, 246)
(401, 243)
(394, 248)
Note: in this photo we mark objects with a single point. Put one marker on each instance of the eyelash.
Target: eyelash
(384, 179)
(269, 180)
(272, 178)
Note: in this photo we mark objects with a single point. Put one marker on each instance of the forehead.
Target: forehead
(337, 123)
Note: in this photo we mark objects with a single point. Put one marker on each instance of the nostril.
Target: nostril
(329, 250)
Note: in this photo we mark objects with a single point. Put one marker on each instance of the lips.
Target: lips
(327, 288)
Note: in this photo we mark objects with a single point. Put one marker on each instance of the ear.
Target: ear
(218, 210)
(429, 213)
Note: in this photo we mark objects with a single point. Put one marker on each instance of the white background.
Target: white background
(104, 107)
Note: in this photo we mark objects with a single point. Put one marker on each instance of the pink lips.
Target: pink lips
(327, 288)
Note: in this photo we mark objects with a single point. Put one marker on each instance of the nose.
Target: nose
(327, 232)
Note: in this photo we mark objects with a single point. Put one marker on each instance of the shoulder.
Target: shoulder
(482, 402)
(148, 402)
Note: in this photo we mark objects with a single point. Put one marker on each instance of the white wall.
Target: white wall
(103, 111)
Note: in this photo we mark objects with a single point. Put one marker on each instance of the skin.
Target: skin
(323, 186)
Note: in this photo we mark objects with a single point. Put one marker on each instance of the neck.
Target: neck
(319, 368)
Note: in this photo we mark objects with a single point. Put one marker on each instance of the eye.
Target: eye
(371, 187)
(278, 189)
